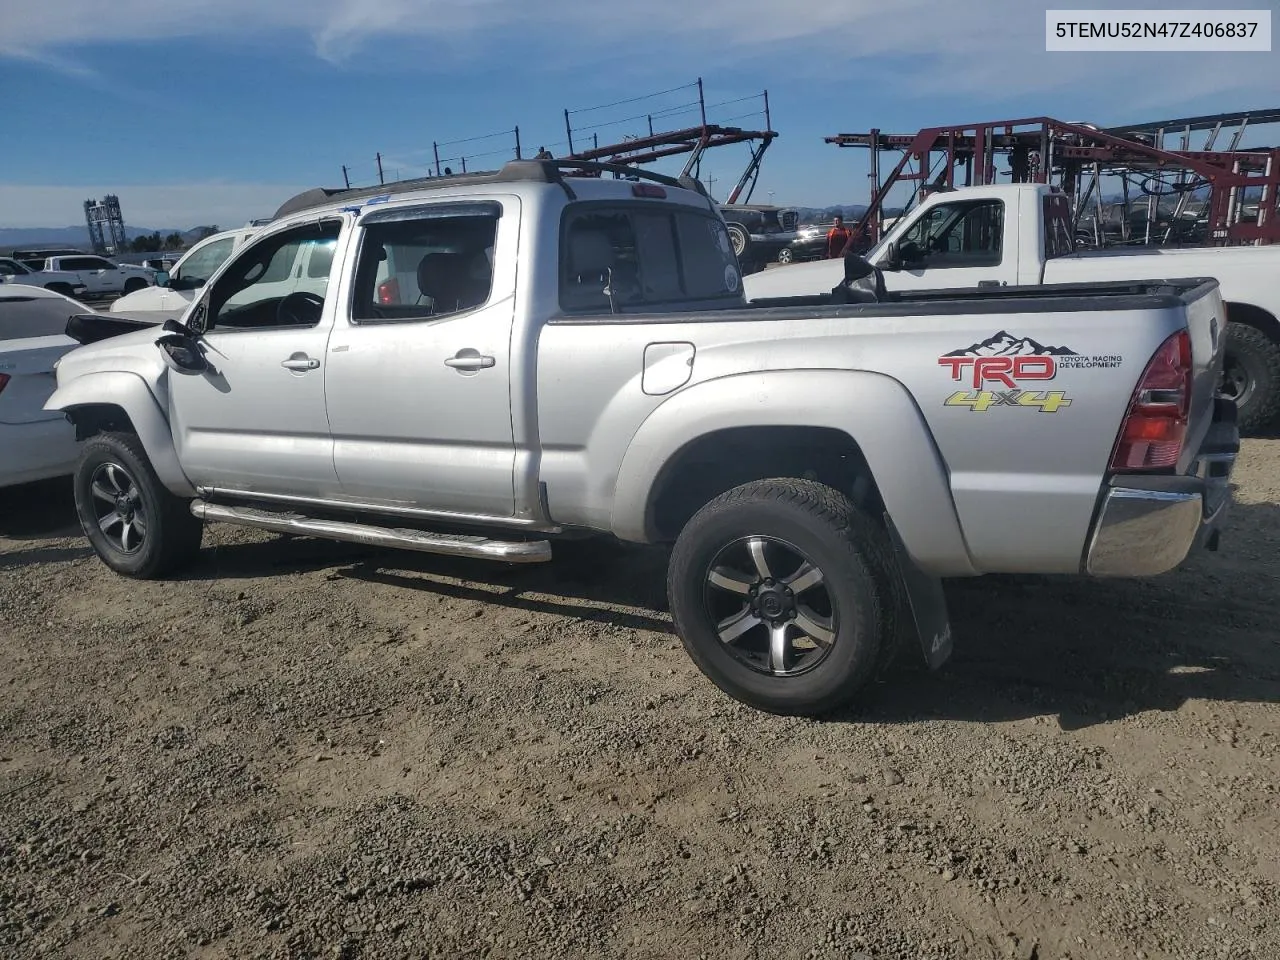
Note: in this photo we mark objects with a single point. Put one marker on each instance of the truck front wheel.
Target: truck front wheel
(784, 594)
(136, 526)
(1251, 376)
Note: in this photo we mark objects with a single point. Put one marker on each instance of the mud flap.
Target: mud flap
(928, 604)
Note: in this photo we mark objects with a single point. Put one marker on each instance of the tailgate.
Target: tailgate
(1207, 324)
(28, 366)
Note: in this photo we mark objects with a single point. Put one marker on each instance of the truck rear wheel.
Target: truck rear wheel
(136, 526)
(1251, 376)
(784, 594)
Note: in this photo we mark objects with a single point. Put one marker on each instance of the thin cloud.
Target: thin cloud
(994, 49)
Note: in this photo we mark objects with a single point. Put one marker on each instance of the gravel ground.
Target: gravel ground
(310, 749)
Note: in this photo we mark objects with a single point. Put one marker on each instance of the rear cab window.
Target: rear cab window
(641, 255)
(1059, 234)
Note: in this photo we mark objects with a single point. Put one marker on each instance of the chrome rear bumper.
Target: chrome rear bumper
(1146, 526)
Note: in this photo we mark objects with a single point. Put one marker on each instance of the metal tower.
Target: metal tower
(106, 225)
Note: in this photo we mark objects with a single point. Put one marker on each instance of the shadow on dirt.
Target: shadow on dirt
(1085, 650)
(37, 511)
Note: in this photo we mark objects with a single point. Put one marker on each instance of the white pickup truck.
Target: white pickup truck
(67, 284)
(483, 365)
(101, 276)
(1020, 234)
(175, 288)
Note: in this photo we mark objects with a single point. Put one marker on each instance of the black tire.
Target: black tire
(134, 284)
(62, 288)
(165, 536)
(859, 580)
(1251, 375)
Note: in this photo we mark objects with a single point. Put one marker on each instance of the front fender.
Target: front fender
(129, 392)
(876, 411)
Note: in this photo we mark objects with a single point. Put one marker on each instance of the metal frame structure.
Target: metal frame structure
(695, 141)
(1076, 157)
(106, 225)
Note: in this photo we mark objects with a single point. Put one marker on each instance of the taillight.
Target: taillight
(389, 291)
(4, 381)
(1155, 425)
(648, 190)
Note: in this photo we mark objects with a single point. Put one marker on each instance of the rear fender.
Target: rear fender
(876, 411)
(128, 392)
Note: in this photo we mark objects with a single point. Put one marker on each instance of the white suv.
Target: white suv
(174, 291)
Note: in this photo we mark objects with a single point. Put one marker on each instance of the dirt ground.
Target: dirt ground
(310, 749)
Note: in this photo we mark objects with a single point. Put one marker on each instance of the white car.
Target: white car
(174, 291)
(35, 444)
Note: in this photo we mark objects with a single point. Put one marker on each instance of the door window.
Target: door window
(426, 263)
(86, 263)
(262, 286)
(968, 234)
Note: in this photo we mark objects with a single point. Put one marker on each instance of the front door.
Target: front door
(418, 379)
(255, 420)
(963, 244)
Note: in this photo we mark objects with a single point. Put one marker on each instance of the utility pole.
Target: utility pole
(346, 179)
(380, 178)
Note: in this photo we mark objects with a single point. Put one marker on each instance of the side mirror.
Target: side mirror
(856, 267)
(181, 353)
(162, 278)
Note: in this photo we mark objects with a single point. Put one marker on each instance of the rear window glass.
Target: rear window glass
(643, 254)
(23, 317)
(1059, 237)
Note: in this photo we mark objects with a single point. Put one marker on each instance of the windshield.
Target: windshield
(200, 263)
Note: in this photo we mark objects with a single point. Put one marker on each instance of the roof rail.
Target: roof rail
(514, 171)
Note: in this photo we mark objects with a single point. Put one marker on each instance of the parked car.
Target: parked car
(101, 276)
(810, 244)
(68, 284)
(510, 358)
(174, 289)
(1022, 234)
(35, 443)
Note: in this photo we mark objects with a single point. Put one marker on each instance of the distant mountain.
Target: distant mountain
(1005, 344)
(11, 237)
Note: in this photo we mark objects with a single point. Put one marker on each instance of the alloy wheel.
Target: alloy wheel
(771, 606)
(118, 507)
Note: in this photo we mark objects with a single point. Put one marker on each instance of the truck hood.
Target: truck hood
(817, 276)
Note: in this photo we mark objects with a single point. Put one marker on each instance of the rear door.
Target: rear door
(418, 378)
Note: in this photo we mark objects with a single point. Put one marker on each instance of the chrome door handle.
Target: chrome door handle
(469, 360)
(300, 363)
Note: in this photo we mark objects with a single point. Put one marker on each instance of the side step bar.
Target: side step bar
(448, 544)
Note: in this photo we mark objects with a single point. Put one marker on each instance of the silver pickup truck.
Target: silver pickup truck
(482, 365)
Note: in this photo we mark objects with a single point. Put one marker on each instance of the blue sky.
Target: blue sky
(200, 111)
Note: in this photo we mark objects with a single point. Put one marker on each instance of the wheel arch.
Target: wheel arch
(1252, 315)
(121, 401)
(860, 432)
